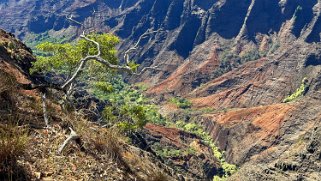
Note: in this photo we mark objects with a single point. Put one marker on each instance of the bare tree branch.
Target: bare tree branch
(149, 68)
(70, 18)
(98, 58)
(126, 54)
(96, 43)
(69, 91)
(44, 109)
(72, 136)
(77, 72)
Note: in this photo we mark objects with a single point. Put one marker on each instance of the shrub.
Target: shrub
(251, 55)
(229, 169)
(12, 45)
(8, 96)
(108, 114)
(104, 86)
(274, 46)
(181, 102)
(108, 142)
(228, 56)
(128, 108)
(299, 92)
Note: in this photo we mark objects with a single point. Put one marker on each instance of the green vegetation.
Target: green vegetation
(298, 93)
(229, 60)
(181, 102)
(250, 55)
(128, 108)
(11, 48)
(168, 152)
(32, 40)
(229, 169)
(64, 58)
(273, 47)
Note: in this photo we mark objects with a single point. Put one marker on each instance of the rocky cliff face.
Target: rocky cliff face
(181, 24)
(239, 58)
(184, 28)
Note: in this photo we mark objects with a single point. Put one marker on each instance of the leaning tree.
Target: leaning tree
(89, 57)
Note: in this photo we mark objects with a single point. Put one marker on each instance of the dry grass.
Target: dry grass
(97, 155)
(95, 140)
(13, 144)
(108, 142)
(7, 82)
(158, 176)
(8, 90)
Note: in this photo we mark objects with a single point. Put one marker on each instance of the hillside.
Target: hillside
(29, 150)
(248, 72)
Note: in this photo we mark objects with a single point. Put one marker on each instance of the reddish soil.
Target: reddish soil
(178, 79)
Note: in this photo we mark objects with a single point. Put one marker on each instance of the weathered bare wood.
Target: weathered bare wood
(72, 136)
(133, 48)
(44, 109)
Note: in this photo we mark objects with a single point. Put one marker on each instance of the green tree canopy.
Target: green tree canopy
(65, 58)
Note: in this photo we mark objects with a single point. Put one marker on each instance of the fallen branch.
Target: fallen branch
(72, 136)
(44, 109)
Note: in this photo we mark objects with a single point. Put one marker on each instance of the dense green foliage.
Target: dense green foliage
(181, 102)
(64, 58)
(298, 93)
(128, 108)
(32, 40)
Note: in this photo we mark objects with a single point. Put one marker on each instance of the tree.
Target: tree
(92, 54)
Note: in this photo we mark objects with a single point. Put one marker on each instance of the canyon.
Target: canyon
(239, 60)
